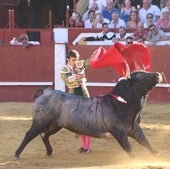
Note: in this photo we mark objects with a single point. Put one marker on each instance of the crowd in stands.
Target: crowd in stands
(141, 15)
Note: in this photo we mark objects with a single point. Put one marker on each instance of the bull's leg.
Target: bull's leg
(45, 138)
(121, 136)
(139, 136)
(34, 131)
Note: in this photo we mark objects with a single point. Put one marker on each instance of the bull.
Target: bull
(115, 112)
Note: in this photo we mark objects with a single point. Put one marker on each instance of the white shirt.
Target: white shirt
(87, 23)
(14, 41)
(120, 23)
(153, 9)
(99, 25)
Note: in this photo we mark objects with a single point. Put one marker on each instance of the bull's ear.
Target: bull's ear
(127, 71)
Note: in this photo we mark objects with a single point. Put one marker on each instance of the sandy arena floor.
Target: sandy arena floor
(15, 120)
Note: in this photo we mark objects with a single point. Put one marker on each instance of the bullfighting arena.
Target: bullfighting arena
(15, 120)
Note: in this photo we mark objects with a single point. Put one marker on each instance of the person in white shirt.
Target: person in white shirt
(100, 20)
(23, 40)
(116, 21)
(99, 2)
(106, 34)
(149, 8)
(89, 23)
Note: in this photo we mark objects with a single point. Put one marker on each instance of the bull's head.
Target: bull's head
(139, 83)
(143, 82)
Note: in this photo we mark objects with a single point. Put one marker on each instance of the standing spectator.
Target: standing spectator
(155, 34)
(149, 20)
(132, 23)
(100, 20)
(140, 32)
(89, 23)
(93, 8)
(73, 74)
(116, 21)
(23, 40)
(107, 12)
(164, 21)
(126, 10)
(149, 8)
(105, 34)
(75, 20)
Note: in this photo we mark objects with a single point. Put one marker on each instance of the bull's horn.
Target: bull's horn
(127, 71)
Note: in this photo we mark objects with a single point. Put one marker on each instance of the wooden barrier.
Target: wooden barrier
(23, 70)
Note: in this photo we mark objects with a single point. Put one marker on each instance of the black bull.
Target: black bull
(95, 116)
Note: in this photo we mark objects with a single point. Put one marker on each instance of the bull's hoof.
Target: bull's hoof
(49, 153)
(16, 158)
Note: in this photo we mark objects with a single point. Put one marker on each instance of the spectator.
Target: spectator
(116, 21)
(107, 12)
(129, 40)
(122, 34)
(23, 40)
(149, 8)
(93, 8)
(132, 23)
(89, 23)
(140, 40)
(75, 20)
(100, 20)
(167, 6)
(149, 20)
(162, 4)
(164, 21)
(98, 2)
(155, 34)
(126, 10)
(140, 32)
(105, 34)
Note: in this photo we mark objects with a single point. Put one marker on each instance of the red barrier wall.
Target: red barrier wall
(18, 64)
(36, 64)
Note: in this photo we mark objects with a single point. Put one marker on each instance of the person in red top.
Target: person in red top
(140, 32)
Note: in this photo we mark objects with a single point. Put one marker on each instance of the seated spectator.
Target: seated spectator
(105, 34)
(116, 22)
(94, 8)
(162, 4)
(167, 6)
(140, 40)
(98, 2)
(122, 34)
(129, 40)
(89, 23)
(155, 34)
(149, 8)
(75, 20)
(107, 12)
(149, 20)
(126, 10)
(100, 20)
(140, 32)
(132, 23)
(23, 40)
(164, 21)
